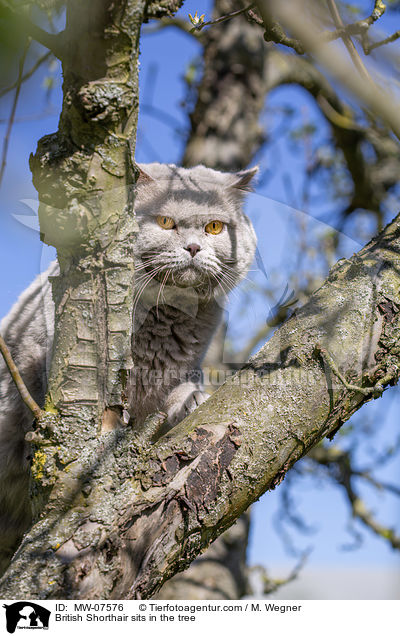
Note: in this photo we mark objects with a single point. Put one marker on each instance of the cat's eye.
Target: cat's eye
(214, 227)
(166, 222)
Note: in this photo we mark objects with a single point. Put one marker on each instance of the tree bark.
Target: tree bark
(171, 499)
(225, 133)
(115, 515)
(225, 122)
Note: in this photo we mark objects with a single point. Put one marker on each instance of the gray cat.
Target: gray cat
(193, 246)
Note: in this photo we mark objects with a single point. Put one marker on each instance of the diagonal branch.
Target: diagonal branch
(382, 104)
(371, 182)
(172, 499)
(52, 41)
(41, 60)
(13, 109)
(348, 42)
(18, 381)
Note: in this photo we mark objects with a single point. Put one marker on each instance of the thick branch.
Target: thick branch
(176, 497)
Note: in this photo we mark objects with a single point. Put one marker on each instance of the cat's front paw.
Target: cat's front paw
(184, 399)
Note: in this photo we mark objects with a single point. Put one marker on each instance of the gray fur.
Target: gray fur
(177, 306)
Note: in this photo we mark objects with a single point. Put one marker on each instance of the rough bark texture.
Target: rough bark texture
(225, 133)
(84, 176)
(222, 571)
(174, 497)
(118, 516)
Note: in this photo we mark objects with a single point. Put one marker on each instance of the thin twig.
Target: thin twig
(19, 383)
(392, 38)
(274, 31)
(361, 27)
(340, 464)
(228, 16)
(379, 485)
(375, 390)
(271, 585)
(13, 109)
(382, 103)
(28, 74)
(178, 23)
(348, 42)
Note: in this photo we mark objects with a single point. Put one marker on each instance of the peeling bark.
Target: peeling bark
(225, 133)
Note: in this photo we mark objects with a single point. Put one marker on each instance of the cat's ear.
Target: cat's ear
(243, 179)
(143, 177)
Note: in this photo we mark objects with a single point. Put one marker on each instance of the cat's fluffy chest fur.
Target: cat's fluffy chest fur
(194, 244)
(167, 351)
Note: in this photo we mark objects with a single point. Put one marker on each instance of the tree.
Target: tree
(205, 472)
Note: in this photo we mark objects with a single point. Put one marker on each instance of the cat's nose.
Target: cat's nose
(193, 248)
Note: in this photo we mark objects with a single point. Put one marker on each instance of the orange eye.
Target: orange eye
(214, 227)
(166, 222)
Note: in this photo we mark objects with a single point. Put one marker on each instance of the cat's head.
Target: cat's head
(192, 229)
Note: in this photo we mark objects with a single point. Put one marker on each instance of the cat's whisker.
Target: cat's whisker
(143, 287)
(145, 275)
(147, 263)
(218, 285)
(160, 291)
(228, 270)
(228, 278)
(224, 292)
(230, 285)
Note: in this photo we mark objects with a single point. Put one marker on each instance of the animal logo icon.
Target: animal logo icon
(26, 615)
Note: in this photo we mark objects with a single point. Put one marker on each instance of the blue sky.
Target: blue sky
(164, 59)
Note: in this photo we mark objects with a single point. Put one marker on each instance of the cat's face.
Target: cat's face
(192, 231)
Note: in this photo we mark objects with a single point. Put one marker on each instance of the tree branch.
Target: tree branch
(18, 381)
(53, 42)
(374, 45)
(274, 32)
(178, 23)
(28, 74)
(351, 135)
(340, 462)
(13, 109)
(383, 104)
(361, 27)
(198, 24)
(358, 63)
(170, 500)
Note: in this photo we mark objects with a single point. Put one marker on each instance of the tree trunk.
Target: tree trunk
(225, 127)
(172, 499)
(117, 516)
